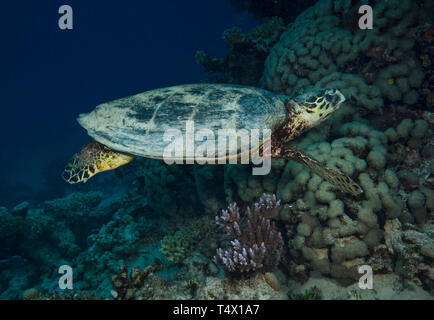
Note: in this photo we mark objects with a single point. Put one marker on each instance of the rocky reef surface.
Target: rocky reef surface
(152, 231)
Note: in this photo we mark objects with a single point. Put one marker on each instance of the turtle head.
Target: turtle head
(94, 157)
(317, 105)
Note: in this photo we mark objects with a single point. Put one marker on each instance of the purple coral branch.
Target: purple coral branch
(257, 246)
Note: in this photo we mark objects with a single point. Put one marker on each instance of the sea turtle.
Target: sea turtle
(135, 126)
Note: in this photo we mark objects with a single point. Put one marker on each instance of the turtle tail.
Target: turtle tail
(337, 179)
(94, 157)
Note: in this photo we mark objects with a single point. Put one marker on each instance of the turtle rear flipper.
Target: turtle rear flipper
(94, 157)
(339, 180)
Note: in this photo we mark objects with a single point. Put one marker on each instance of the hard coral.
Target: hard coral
(256, 245)
(125, 287)
(195, 234)
(319, 50)
(328, 232)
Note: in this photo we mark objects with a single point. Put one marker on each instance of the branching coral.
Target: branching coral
(256, 244)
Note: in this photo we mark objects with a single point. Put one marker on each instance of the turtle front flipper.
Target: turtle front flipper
(94, 157)
(339, 180)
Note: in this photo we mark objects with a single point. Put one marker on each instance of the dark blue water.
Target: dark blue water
(49, 75)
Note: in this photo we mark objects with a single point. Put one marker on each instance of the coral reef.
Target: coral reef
(254, 288)
(414, 249)
(386, 287)
(198, 233)
(11, 226)
(256, 246)
(244, 63)
(152, 236)
(125, 286)
(372, 68)
(380, 70)
(330, 231)
(211, 288)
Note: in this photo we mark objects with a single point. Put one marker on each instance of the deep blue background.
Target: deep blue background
(117, 48)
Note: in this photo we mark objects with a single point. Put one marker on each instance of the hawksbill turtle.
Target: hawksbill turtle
(135, 126)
